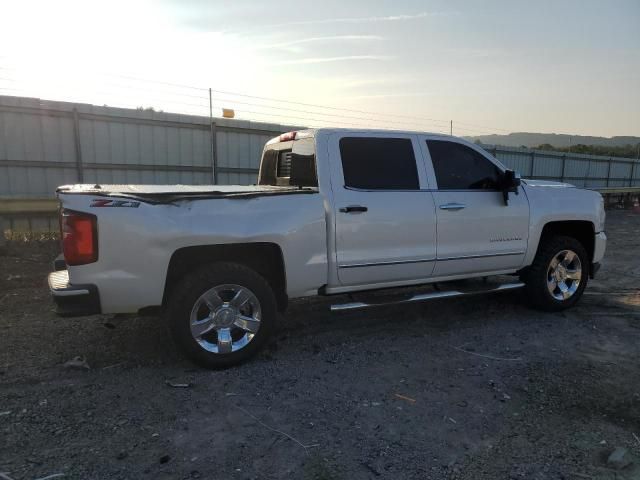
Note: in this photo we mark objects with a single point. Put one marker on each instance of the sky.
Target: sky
(563, 66)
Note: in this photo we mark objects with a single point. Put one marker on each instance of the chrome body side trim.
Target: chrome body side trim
(464, 257)
(402, 262)
(381, 264)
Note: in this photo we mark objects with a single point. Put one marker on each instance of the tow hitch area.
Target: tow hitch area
(72, 300)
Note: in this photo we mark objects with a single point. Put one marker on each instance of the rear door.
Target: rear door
(477, 232)
(385, 223)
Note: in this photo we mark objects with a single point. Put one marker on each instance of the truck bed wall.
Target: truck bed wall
(136, 244)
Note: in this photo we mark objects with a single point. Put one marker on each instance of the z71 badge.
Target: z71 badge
(101, 202)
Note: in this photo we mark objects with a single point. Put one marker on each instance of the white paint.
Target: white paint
(136, 244)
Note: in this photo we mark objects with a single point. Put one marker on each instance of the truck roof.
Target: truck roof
(314, 131)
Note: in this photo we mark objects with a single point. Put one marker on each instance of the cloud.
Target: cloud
(303, 61)
(389, 18)
(392, 95)
(368, 81)
(322, 39)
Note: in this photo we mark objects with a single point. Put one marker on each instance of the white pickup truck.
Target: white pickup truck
(334, 211)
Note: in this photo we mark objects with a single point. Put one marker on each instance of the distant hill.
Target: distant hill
(531, 140)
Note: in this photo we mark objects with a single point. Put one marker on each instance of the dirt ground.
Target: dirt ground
(475, 388)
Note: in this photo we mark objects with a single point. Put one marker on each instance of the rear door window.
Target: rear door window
(372, 163)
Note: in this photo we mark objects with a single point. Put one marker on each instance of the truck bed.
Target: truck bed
(170, 193)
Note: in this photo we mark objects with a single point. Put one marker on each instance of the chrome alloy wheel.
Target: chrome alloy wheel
(225, 318)
(564, 275)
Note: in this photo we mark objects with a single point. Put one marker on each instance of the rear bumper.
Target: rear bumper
(73, 300)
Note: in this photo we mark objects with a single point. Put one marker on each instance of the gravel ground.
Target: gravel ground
(474, 388)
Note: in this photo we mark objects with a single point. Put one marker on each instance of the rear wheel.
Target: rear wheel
(559, 273)
(222, 314)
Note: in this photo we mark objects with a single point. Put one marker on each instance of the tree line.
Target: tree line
(627, 151)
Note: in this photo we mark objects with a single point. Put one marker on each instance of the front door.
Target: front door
(477, 231)
(385, 221)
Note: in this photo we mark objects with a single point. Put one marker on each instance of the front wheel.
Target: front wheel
(221, 314)
(559, 273)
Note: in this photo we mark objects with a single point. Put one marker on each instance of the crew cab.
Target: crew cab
(334, 211)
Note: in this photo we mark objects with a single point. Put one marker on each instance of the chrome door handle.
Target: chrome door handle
(354, 209)
(452, 206)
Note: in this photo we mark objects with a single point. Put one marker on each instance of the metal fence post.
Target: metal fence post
(633, 169)
(214, 159)
(78, 145)
(609, 172)
(533, 163)
(564, 165)
(214, 152)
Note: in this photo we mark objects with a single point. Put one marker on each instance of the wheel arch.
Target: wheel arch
(582, 230)
(265, 258)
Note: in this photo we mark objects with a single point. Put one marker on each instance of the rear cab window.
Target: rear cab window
(289, 163)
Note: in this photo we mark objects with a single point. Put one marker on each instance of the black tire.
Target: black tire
(536, 276)
(192, 286)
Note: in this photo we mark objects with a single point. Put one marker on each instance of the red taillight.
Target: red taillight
(79, 233)
(285, 137)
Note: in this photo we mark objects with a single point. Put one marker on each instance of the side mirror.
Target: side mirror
(510, 183)
(511, 180)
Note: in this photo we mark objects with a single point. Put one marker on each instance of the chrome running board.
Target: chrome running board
(421, 297)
